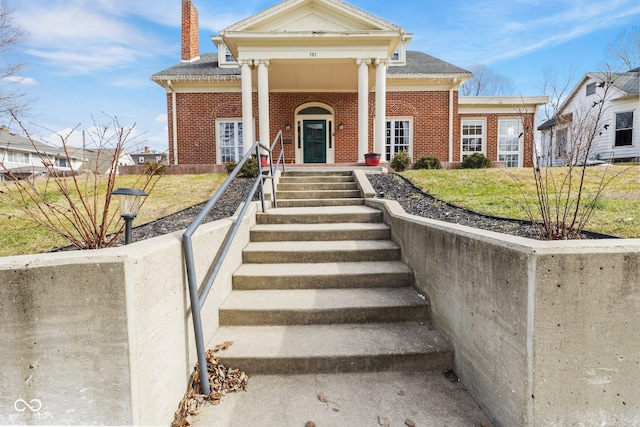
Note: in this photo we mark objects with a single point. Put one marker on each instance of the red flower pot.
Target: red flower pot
(264, 160)
(372, 159)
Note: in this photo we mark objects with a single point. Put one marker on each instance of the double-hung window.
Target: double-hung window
(230, 140)
(398, 137)
(473, 138)
(624, 129)
(509, 142)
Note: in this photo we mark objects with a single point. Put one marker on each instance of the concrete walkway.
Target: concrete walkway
(360, 399)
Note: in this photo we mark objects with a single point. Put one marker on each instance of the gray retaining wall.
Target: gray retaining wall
(105, 337)
(545, 333)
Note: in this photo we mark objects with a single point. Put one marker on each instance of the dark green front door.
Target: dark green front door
(315, 141)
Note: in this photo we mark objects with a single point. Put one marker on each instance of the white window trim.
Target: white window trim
(411, 132)
(402, 55)
(615, 130)
(520, 145)
(222, 57)
(484, 134)
(235, 120)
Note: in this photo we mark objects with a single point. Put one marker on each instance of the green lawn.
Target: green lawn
(491, 191)
(499, 192)
(171, 194)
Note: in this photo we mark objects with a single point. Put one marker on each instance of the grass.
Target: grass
(498, 192)
(489, 191)
(171, 194)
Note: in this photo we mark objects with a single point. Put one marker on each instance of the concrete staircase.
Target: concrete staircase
(322, 289)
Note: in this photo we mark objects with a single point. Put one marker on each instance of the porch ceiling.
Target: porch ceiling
(314, 76)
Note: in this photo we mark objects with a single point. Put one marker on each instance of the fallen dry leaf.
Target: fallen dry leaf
(310, 424)
(383, 421)
(221, 382)
(322, 397)
(400, 392)
(409, 423)
(223, 346)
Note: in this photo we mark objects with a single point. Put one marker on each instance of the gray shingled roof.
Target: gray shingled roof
(628, 82)
(206, 68)
(421, 63)
(21, 143)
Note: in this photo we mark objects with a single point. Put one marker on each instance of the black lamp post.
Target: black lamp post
(129, 199)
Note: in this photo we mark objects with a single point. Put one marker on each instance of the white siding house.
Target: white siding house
(23, 157)
(617, 134)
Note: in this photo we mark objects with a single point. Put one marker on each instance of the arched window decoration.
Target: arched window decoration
(314, 111)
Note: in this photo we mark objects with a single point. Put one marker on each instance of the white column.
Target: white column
(263, 101)
(247, 104)
(363, 108)
(381, 106)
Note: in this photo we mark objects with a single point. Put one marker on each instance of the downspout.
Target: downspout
(453, 83)
(535, 133)
(174, 122)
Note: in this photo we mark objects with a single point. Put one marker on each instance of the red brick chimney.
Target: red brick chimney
(190, 39)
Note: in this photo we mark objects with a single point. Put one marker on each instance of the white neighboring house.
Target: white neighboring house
(24, 158)
(618, 136)
(99, 160)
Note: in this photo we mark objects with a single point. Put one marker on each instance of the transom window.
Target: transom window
(591, 88)
(230, 140)
(398, 137)
(509, 142)
(624, 129)
(472, 137)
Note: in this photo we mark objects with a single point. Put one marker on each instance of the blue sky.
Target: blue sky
(86, 57)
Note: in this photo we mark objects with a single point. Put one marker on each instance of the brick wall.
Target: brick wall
(491, 135)
(197, 112)
(190, 37)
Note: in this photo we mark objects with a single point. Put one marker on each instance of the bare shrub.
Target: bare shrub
(561, 206)
(76, 203)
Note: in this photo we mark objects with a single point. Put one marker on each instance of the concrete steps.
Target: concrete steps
(323, 306)
(318, 188)
(319, 232)
(322, 275)
(320, 215)
(308, 349)
(322, 289)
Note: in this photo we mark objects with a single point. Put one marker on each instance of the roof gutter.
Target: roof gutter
(174, 122)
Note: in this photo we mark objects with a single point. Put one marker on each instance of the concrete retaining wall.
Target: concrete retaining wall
(545, 333)
(105, 337)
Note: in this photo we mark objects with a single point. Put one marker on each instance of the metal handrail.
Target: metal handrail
(198, 298)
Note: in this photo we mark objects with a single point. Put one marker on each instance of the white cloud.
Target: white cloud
(78, 37)
(27, 81)
(161, 118)
(494, 30)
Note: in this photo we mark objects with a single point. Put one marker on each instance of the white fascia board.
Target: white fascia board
(499, 104)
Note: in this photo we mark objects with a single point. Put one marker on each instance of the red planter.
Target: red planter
(372, 159)
(264, 160)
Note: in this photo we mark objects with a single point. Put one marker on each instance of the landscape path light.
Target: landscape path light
(129, 200)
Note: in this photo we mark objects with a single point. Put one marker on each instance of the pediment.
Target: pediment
(294, 16)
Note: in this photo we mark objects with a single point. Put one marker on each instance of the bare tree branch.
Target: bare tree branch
(11, 91)
(624, 51)
(486, 82)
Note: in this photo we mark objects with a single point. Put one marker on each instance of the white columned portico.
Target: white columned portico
(247, 104)
(381, 106)
(363, 107)
(263, 101)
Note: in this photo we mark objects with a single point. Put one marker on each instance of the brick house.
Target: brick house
(339, 83)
